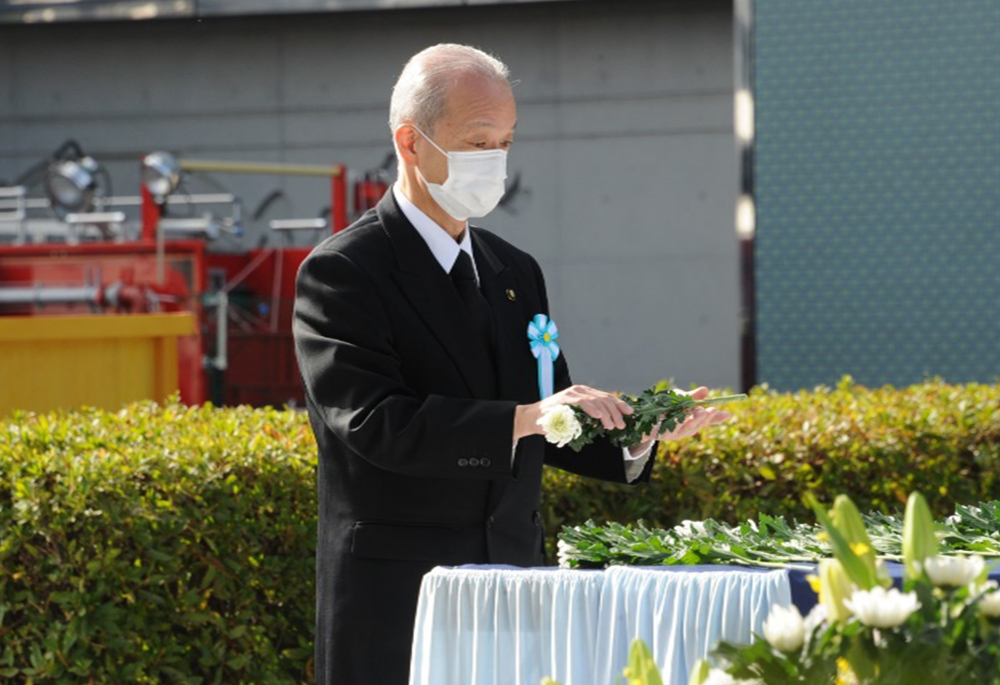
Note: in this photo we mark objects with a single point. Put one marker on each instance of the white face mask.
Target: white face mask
(475, 181)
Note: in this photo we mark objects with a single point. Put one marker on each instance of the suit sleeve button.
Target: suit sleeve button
(463, 462)
(485, 461)
(489, 522)
(473, 461)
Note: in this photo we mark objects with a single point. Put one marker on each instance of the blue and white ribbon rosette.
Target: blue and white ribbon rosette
(543, 332)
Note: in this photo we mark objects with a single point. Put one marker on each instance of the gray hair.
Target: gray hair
(421, 91)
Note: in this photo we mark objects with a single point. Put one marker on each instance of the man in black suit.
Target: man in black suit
(411, 335)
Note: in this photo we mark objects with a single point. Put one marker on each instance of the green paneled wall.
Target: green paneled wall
(877, 182)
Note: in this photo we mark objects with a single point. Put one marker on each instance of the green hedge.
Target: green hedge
(875, 445)
(176, 545)
(157, 545)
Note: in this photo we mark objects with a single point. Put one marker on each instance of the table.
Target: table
(503, 625)
(492, 625)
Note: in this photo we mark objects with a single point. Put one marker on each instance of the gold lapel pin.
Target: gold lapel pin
(511, 295)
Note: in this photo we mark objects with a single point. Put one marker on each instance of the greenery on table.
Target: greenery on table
(767, 541)
(875, 445)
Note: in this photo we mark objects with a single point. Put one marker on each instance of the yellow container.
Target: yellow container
(65, 362)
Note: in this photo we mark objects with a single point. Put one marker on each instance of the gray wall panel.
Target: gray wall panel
(877, 169)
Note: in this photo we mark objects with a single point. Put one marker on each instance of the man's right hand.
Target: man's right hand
(603, 406)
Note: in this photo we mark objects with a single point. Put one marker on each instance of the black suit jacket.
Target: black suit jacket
(414, 428)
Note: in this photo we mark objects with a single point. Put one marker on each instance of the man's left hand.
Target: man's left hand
(698, 418)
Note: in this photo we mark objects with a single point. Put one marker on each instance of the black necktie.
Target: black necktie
(464, 277)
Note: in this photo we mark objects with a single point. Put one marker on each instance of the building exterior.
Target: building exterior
(625, 157)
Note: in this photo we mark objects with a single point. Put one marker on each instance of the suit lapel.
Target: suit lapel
(516, 377)
(429, 289)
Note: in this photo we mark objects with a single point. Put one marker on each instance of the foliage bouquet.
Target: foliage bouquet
(944, 627)
(569, 425)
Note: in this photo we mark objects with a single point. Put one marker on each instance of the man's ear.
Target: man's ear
(405, 139)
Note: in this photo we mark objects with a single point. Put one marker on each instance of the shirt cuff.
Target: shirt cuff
(634, 466)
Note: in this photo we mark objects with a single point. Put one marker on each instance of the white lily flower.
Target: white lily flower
(560, 425)
(881, 608)
(785, 629)
(953, 571)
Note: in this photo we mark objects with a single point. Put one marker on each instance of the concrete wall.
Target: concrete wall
(625, 143)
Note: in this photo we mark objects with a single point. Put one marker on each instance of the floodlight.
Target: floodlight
(160, 174)
(71, 185)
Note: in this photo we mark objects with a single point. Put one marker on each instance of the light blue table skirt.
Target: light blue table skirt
(508, 626)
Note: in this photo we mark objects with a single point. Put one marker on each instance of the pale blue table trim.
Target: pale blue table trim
(506, 625)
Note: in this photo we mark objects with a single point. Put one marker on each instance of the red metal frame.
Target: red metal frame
(261, 359)
(338, 207)
(150, 214)
(130, 264)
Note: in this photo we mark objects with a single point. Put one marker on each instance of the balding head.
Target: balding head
(421, 92)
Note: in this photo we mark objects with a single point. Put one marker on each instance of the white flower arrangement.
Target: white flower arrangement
(944, 626)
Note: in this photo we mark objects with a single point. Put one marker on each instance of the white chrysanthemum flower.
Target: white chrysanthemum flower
(881, 608)
(784, 628)
(688, 529)
(560, 425)
(953, 571)
(989, 605)
(563, 550)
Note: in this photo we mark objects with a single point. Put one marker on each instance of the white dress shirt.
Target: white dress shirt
(445, 251)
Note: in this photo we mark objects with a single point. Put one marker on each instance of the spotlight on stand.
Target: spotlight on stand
(71, 185)
(160, 174)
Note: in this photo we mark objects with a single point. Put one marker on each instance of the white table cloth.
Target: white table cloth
(506, 626)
